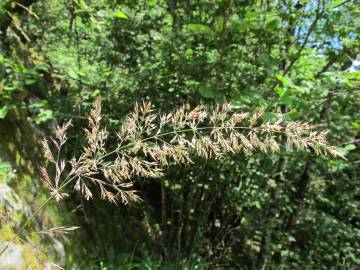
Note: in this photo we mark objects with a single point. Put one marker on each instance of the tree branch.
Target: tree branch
(5, 20)
(306, 39)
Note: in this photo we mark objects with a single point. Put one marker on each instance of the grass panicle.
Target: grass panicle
(149, 141)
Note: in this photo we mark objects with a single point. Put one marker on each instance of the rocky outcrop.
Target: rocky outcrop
(12, 256)
(11, 202)
(23, 247)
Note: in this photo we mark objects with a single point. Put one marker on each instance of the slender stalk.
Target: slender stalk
(179, 132)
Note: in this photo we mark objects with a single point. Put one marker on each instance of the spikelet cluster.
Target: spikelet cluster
(149, 141)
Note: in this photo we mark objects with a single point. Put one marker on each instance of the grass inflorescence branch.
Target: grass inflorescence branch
(150, 141)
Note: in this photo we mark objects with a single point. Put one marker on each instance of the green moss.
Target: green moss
(33, 259)
(5, 169)
(7, 233)
(17, 216)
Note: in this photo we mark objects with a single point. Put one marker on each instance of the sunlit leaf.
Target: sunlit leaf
(198, 27)
(3, 111)
(120, 15)
(206, 92)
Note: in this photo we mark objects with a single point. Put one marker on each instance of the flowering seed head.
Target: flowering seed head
(149, 141)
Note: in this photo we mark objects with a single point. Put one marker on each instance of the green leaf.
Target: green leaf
(346, 149)
(293, 114)
(356, 124)
(217, 223)
(120, 15)
(219, 23)
(152, 2)
(198, 27)
(39, 104)
(282, 79)
(342, 150)
(4, 169)
(280, 91)
(44, 116)
(273, 23)
(206, 92)
(350, 147)
(336, 3)
(270, 117)
(41, 67)
(285, 253)
(30, 81)
(251, 15)
(3, 111)
(285, 97)
(95, 93)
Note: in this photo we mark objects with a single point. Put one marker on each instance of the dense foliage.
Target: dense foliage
(286, 210)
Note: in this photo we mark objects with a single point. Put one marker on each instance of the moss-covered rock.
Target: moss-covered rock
(24, 247)
(17, 252)
(10, 201)
(20, 247)
(11, 257)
